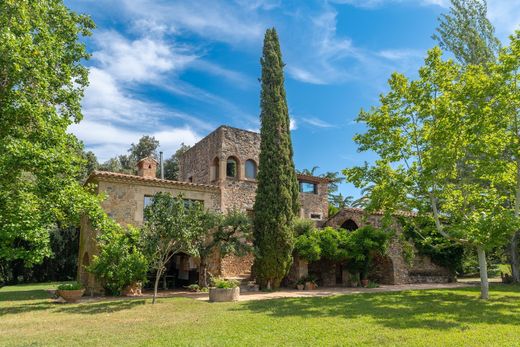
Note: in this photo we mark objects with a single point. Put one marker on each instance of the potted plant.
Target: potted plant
(355, 280)
(224, 290)
(300, 284)
(70, 292)
(133, 289)
(310, 283)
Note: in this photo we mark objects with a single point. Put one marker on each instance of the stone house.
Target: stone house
(220, 172)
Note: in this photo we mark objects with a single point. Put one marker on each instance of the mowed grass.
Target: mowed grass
(411, 318)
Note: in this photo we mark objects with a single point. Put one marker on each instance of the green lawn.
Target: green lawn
(413, 318)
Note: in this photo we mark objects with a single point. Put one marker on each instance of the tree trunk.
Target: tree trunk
(156, 285)
(203, 272)
(484, 284)
(515, 258)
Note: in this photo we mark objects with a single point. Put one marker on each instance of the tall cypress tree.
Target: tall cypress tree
(276, 202)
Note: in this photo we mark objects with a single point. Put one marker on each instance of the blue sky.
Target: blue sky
(179, 69)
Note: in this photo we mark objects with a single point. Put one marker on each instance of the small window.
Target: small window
(148, 200)
(316, 216)
(215, 168)
(232, 167)
(308, 187)
(190, 179)
(250, 169)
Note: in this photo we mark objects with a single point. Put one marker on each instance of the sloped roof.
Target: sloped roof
(100, 175)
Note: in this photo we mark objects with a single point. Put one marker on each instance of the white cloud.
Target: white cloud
(107, 140)
(292, 124)
(209, 19)
(142, 60)
(304, 75)
(317, 122)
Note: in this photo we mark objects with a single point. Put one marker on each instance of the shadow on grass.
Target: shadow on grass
(82, 308)
(19, 295)
(435, 309)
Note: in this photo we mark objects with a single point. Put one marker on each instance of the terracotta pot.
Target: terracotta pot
(364, 283)
(133, 289)
(71, 295)
(310, 286)
(224, 294)
(300, 286)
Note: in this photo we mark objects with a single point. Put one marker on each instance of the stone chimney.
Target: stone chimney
(147, 167)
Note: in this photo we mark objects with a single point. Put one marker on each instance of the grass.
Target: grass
(454, 317)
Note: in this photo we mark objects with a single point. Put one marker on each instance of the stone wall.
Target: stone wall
(196, 163)
(393, 268)
(315, 203)
(125, 204)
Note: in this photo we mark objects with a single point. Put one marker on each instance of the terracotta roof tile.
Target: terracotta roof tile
(134, 178)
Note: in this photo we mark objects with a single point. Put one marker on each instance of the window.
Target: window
(250, 169)
(308, 187)
(232, 167)
(316, 216)
(148, 200)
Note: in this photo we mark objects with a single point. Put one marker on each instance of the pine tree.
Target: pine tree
(276, 202)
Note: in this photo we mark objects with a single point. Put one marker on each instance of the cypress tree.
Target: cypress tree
(276, 203)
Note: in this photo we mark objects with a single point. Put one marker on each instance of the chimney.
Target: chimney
(162, 164)
(147, 167)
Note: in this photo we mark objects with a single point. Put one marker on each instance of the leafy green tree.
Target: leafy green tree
(467, 33)
(424, 132)
(42, 80)
(508, 75)
(171, 165)
(229, 234)
(146, 147)
(171, 226)
(120, 261)
(363, 244)
(276, 202)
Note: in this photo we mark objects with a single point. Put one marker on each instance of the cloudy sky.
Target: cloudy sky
(179, 69)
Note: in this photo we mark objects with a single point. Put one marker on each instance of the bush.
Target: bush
(225, 284)
(70, 286)
(120, 261)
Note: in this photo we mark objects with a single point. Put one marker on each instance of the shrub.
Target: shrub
(120, 261)
(223, 283)
(363, 244)
(70, 286)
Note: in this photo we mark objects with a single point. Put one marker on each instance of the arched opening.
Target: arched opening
(349, 225)
(215, 168)
(232, 167)
(251, 169)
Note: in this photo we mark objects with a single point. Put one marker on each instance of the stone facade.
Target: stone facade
(220, 171)
(392, 268)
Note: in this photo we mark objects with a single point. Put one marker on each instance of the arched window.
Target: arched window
(349, 225)
(250, 169)
(215, 168)
(232, 167)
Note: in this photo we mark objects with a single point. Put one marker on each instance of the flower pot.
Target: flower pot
(310, 286)
(133, 289)
(71, 295)
(364, 283)
(300, 286)
(224, 294)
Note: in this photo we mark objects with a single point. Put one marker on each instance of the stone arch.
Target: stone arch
(349, 225)
(251, 169)
(215, 169)
(232, 167)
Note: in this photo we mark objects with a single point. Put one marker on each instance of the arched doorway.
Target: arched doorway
(349, 225)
